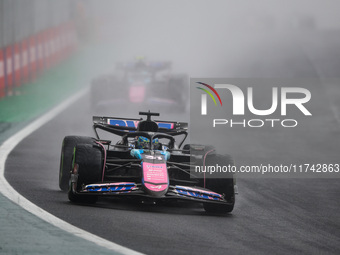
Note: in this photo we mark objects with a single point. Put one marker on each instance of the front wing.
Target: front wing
(195, 194)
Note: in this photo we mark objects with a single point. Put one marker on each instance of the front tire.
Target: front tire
(87, 166)
(67, 147)
(223, 186)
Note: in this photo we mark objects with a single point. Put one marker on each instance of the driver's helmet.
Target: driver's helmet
(144, 143)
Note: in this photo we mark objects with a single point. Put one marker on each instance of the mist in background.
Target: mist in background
(212, 38)
(244, 39)
(201, 38)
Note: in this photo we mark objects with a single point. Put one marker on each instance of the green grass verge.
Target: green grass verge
(32, 99)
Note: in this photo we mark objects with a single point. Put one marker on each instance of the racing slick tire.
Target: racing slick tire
(67, 147)
(88, 164)
(224, 186)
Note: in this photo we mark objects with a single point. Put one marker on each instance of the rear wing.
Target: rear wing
(131, 124)
(123, 127)
(151, 65)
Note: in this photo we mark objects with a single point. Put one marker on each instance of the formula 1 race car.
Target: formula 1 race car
(146, 163)
(141, 84)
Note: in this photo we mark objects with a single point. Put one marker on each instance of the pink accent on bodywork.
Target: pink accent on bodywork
(137, 93)
(155, 187)
(104, 159)
(198, 190)
(112, 184)
(135, 123)
(156, 174)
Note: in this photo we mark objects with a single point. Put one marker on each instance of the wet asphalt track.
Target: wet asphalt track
(271, 216)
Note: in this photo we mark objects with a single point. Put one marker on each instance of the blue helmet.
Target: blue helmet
(144, 143)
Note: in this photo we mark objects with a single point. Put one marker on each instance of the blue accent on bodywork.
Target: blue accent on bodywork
(166, 155)
(132, 123)
(164, 125)
(198, 194)
(126, 187)
(137, 153)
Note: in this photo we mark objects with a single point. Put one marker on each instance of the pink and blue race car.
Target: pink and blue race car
(141, 84)
(146, 162)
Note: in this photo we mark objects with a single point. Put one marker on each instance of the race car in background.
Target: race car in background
(139, 84)
(145, 163)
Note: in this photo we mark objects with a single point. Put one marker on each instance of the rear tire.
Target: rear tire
(68, 145)
(223, 186)
(88, 160)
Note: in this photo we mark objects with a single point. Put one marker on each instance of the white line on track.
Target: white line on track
(7, 190)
